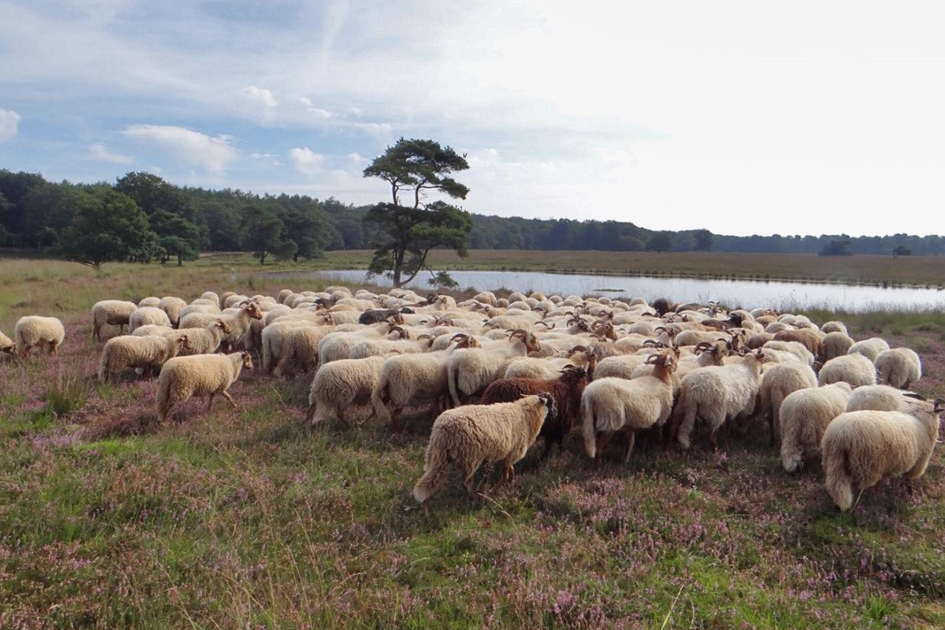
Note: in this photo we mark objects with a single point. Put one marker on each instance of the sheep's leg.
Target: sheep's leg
(628, 446)
(210, 402)
(602, 440)
(226, 395)
(395, 420)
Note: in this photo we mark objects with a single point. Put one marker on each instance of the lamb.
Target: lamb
(112, 312)
(130, 351)
(469, 371)
(859, 448)
(856, 369)
(473, 435)
(147, 315)
(37, 330)
(777, 382)
(610, 405)
(339, 385)
(716, 394)
(804, 416)
(566, 390)
(898, 367)
(205, 374)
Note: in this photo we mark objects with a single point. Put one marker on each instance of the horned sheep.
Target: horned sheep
(182, 378)
(473, 435)
(859, 448)
(610, 405)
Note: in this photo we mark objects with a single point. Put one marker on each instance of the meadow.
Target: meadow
(249, 518)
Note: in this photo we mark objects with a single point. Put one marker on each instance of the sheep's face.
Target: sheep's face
(549, 402)
(247, 361)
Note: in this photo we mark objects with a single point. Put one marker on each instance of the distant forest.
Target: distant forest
(177, 223)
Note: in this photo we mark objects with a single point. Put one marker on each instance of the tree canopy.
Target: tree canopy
(408, 228)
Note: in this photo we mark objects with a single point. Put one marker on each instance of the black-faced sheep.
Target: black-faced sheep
(566, 390)
(859, 448)
(200, 375)
(473, 435)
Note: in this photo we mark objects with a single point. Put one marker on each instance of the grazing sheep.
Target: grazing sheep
(610, 405)
(869, 348)
(341, 384)
(144, 353)
(566, 390)
(856, 369)
(716, 394)
(172, 306)
(898, 367)
(144, 315)
(6, 344)
(859, 448)
(804, 416)
(36, 330)
(205, 340)
(152, 330)
(200, 375)
(777, 382)
(836, 343)
(113, 313)
(473, 435)
(879, 398)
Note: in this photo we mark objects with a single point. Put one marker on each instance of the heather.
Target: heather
(249, 518)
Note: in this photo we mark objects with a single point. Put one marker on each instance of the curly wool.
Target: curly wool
(35, 330)
(473, 435)
(200, 375)
(804, 416)
(859, 448)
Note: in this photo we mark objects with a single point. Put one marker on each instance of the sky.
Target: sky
(742, 118)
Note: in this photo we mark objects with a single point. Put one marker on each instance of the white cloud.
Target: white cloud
(260, 95)
(9, 123)
(100, 153)
(191, 147)
(307, 161)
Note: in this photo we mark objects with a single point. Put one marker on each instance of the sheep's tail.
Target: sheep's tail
(838, 480)
(588, 428)
(378, 394)
(163, 399)
(790, 454)
(434, 470)
(452, 378)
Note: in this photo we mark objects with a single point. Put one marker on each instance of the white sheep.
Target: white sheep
(859, 448)
(879, 397)
(611, 405)
(715, 394)
(200, 375)
(144, 353)
(805, 414)
(206, 340)
(777, 381)
(144, 315)
(869, 348)
(898, 367)
(836, 343)
(172, 306)
(471, 370)
(339, 385)
(37, 330)
(152, 330)
(113, 313)
(855, 368)
(473, 435)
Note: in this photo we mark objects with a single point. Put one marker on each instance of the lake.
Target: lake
(784, 296)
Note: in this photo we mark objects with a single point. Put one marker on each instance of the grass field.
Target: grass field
(249, 518)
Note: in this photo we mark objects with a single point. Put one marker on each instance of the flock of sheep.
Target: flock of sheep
(503, 372)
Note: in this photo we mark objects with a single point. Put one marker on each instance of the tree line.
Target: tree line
(142, 217)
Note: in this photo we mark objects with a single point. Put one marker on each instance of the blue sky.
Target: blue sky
(739, 117)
